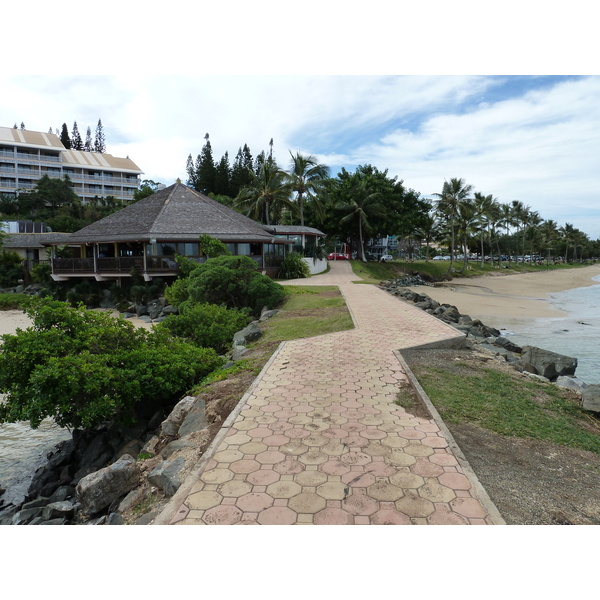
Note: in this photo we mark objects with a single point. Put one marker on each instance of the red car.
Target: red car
(338, 256)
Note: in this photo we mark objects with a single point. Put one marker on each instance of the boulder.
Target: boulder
(249, 334)
(170, 425)
(546, 363)
(571, 383)
(168, 476)
(58, 510)
(195, 419)
(591, 397)
(508, 345)
(97, 490)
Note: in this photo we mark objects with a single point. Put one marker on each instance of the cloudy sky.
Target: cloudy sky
(519, 137)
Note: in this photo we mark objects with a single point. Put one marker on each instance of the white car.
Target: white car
(386, 257)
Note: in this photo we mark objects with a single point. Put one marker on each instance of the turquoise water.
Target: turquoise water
(577, 334)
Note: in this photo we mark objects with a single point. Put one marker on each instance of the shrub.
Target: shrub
(205, 325)
(233, 281)
(13, 301)
(11, 270)
(83, 368)
(293, 267)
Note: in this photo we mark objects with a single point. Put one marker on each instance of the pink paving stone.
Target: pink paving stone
(356, 458)
(468, 507)
(358, 479)
(244, 466)
(444, 516)
(355, 439)
(335, 432)
(456, 481)
(360, 504)
(389, 517)
(435, 442)
(302, 408)
(428, 427)
(411, 434)
(286, 413)
(211, 464)
(372, 434)
(270, 457)
(280, 426)
(276, 440)
(380, 469)
(260, 432)
(222, 515)
(277, 515)
(333, 516)
(443, 459)
(263, 477)
(335, 467)
(424, 468)
(289, 466)
(297, 433)
(353, 404)
(254, 502)
(353, 427)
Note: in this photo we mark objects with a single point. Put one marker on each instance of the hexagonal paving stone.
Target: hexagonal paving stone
(435, 441)
(407, 480)
(203, 500)
(277, 515)
(244, 466)
(456, 481)
(222, 515)
(276, 440)
(356, 458)
(418, 450)
(389, 517)
(413, 505)
(307, 502)
(315, 439)
(335, 467)
(444, 459)
(270, 457)
(289, 466)
(384, 491)
(358, 479)
(376, 449)
(468, 507)
(253, 448)
(425, 468)
(333, 516)
(333, 490)
(237, 438)
(398, 458)
(234, 488)
(313, 457)
(444, 516)
(263, 477)
(284, 489)
(435, 492)
(310, 478)
(228, 456)
(217, 476)
(358, 503)
(254, 502)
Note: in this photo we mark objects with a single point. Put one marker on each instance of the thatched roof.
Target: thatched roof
(296, 230)
(175, 213)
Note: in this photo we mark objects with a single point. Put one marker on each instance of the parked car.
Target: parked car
(370, 256)
(338, 256)
(386, 257)
(441, 258)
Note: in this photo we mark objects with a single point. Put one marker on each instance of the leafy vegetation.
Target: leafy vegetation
(13, 301)
(83, 367)
(293, 267)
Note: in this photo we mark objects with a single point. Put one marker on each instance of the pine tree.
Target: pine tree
(64, 137)
(100, 142)
(240, 175)
(89, 145)
(22, 125)
(223, 176)
(191, 171)
(50, 130)
(206, 170)
(76, 141)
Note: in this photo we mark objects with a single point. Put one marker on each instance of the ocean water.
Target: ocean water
(577, 334)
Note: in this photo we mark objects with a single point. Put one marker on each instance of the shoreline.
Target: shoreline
(521, 295)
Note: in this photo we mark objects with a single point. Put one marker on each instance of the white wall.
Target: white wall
(317, 266)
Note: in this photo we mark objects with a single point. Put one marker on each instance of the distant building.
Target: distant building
(26, 156)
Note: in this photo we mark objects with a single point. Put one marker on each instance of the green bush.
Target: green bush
(233, 281)
(42, 273)
(83, 368)
(11, 270)
(293, 267)
(205, 325)
(13, 301)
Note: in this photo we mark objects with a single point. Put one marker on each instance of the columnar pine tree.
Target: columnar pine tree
(22, 125)
(205, 169)
(191, 171)
(89, 145)
(76, 141)
(65, 140)
(223, 177)
(100, 142)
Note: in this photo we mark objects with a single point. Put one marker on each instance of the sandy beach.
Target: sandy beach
(524, 295)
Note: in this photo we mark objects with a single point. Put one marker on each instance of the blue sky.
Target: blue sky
(466, 105)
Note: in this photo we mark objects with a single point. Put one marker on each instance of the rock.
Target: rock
(141, 310)
(154, 309)
(195, 418)
(58, 510)
(250, 333)
(238, 352)
(26, 515)
(267, 314)
(591, 397)
(132, 448)
(167, 476)
(150, 446)
(62, 493)
(147, 518)
(115, 519)
(548, 364)
(97, 490)
(54, 522)
(170, 426)
(133, 498)
(508, 345)
(176, 445)
(571, 383)
(451, 314)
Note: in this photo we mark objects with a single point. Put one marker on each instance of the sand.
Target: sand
(524, 295)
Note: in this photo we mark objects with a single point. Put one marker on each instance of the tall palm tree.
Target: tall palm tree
(507, 221)
(429, 231)
(267, 194)
(306, 178)
(549, 231)
(567, 231)
(453, 192)
(363, 204)
(466, 220)
(484, 206)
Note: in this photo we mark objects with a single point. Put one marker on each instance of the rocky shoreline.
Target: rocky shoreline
(537, 362)
(114, 474)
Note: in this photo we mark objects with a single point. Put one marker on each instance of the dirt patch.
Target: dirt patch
(531, 482)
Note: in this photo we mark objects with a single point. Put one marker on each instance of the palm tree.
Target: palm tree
(267, 194)
(467, 217)
(484, 206)
(453, 192)
(549, 231)
(507, 220)
(363, 205)
(567, 231)
(306, 178)
(429, 231)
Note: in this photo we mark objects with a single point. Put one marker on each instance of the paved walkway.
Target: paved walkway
(318, 439)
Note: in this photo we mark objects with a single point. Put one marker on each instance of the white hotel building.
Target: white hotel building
(25, 156)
